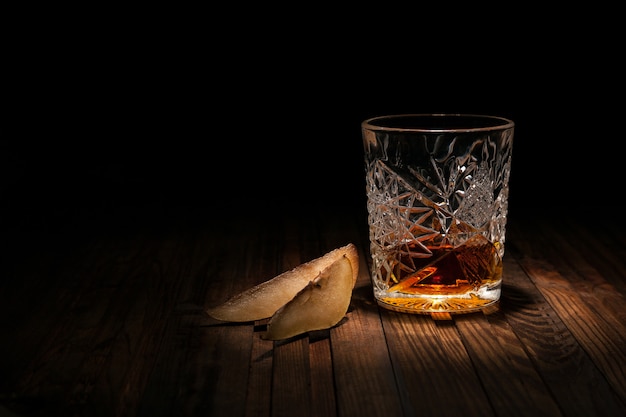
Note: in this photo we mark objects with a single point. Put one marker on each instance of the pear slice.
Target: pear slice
(262, 300)
(319, 305)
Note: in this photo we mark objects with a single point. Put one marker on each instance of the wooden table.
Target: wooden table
(103, 315)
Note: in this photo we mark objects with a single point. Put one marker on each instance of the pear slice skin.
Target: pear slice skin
(319, 305)
(263, 300)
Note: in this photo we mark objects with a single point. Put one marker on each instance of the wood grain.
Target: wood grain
(113, 323)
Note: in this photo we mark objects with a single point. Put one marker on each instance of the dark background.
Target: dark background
(132, 125)
(163, 123)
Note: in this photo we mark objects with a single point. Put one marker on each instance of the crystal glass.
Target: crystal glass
(437, 196)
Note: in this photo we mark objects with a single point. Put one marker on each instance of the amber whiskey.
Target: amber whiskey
(467, 277)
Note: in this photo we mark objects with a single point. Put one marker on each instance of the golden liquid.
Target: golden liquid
(461, 279)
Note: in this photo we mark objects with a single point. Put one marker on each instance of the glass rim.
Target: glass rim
(481, 122)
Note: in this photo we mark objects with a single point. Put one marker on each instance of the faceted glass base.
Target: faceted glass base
(474, 301)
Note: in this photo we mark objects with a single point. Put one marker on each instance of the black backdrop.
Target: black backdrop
(289, 138)
(237, 128)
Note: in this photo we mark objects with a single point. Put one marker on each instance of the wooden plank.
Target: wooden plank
(364, 377)
(323, 401)
(432, 366)
(300, 373)
(32, 303)
(205, 362)
(291, 378)
(365, 381)
(596, 307)
(322, 380)
(133, 330)
(605, 251)
(260, 379)
(498, 354)
(66, 371)
(259, 390)
(579, 257)
(546, 326)
(118, 328)
(42, 279)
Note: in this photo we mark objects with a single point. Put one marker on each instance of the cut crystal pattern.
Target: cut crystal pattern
(457, 191)
(437, 206)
